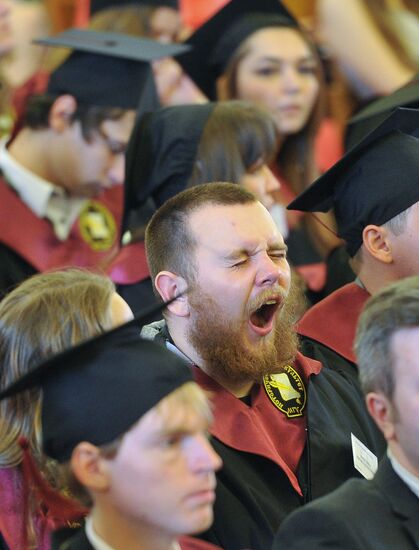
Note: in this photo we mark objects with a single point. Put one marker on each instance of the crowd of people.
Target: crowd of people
(209, 288)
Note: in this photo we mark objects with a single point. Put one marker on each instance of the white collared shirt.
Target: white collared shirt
(43, 198)
(411, 480)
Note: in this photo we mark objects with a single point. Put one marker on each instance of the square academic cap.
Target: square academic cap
(97, 390)
(97, 5)
(106, 69)
(376, 180)
(373, 114)
(216, 40)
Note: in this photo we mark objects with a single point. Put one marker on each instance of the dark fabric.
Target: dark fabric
(254, 495)
(118, 362)
(373, 182)
(360, 515)
(78, 542)
(160, 158)
(13, 269)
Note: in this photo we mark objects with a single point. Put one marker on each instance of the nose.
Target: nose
(116, 170)
(271, 182)
(202, 456)
(291, 79)
(271, 271)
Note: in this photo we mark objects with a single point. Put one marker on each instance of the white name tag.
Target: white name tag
(364, 460)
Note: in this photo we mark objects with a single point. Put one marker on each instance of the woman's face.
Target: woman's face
(260, 180)
(278, 71)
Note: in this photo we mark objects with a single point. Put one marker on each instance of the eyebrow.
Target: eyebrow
(277, 60)
(246, 251)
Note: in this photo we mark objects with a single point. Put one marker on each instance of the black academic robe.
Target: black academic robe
(254, 495)
(360, 515)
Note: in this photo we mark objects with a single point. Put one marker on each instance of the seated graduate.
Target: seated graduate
(382, 512)
(128, 427)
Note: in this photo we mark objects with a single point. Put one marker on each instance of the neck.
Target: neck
(376, 279)
(28, 149)
(237, 388)
(123, 533)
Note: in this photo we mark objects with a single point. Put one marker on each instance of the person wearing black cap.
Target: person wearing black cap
(283, 424)
(373, 190)
(255, 51)
(176, 147)
(61, 193)
(382, 512)
(130, 435)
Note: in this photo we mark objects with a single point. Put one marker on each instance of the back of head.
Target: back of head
(44, 315)
(169, 243)
(394, 308)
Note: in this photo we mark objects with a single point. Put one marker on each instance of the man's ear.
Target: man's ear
(382, 412)
(61, 112)
(89, 467)
(377, 242)
(169, 285)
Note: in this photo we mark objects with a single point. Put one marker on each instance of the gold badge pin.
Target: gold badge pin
(287, 392)
(97, 226)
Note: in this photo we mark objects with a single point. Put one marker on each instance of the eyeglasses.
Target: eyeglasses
(115, 146)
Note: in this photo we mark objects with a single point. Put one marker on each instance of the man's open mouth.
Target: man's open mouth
(262, 318)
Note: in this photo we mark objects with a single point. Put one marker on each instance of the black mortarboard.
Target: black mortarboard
(160, 158)
(373, 114)
(97, 5)
(97, 390)
(376, 180)
(106, 69)
(216, 40)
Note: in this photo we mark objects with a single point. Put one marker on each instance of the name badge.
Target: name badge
(364, 460)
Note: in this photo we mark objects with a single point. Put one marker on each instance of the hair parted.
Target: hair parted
(394, 308)
(236, 136)
(168, 240)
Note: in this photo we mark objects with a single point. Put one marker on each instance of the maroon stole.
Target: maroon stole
(34, 240)
(130, 265)
(332, 321)
(260, 428)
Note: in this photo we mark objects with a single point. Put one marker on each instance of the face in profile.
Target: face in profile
(405, 401)
(85, 168)
(278, 71)
(163, 475)
(260, 180)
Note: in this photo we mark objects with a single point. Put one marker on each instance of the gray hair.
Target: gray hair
(393, 308)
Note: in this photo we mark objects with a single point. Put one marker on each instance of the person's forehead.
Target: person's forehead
(405, 348)
(273, 39)
(216, 225)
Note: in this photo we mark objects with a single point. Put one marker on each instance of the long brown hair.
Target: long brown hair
(44, 315)
(296, 154)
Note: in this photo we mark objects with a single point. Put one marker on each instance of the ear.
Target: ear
(381, 411)
(377, 242)
(169, 285)
(61, 111)
(89, 467)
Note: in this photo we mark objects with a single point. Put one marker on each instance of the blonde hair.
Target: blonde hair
(44, 315)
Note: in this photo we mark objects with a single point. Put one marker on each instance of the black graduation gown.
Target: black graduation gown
(254, 495)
